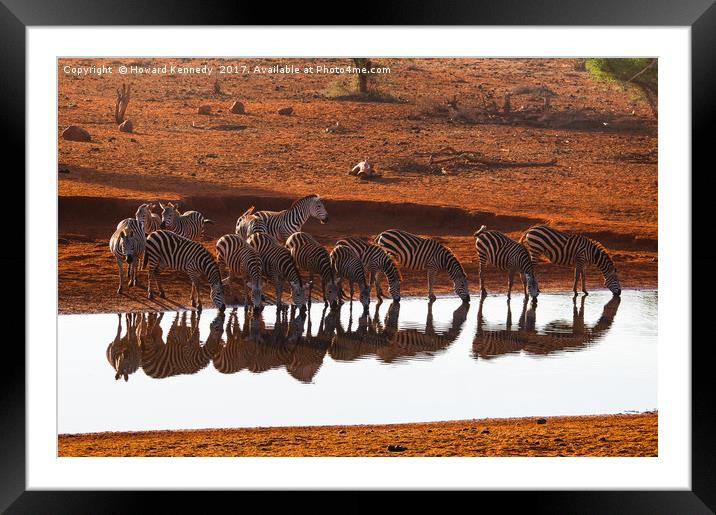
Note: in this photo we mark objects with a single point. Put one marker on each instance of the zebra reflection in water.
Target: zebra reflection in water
(389, 343)
(557, 335)
(257, 349)
(123, 352)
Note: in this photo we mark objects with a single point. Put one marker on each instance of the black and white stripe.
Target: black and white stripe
(571, 250)
(189, 224)
(412, 252)
(311, 256)
(166, 249)
(376, 261)
(278, 266)
(495, 248)
(123, 352)
(242, 261)
(151, 221)
(347, 265)
(127, 244)
(282, 224)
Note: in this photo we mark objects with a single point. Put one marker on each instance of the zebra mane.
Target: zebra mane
(303, 199)
(601, 249)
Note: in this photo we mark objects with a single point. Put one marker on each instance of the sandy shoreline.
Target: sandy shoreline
(591, 435)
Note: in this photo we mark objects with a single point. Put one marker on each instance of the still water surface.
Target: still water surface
(406, 362)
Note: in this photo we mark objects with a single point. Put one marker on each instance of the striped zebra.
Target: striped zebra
(490, 343)
(189, 224)
(282, 224)
(376, 261)
(127, 244)
(415, 253)
(166, 249)
(242, 261)
(495, 248)
(278, 266)
(151, 221)
(311, 256)
(572, 250)
(123, 352)
(347, 265)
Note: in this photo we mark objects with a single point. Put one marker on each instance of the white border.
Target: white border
(670, 470)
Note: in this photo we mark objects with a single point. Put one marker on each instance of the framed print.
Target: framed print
(362, 257)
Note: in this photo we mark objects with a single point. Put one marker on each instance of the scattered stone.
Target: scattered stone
(126, 126)
(63, 169)
(396, 448)
(342, 432)
(286, 111)
(430, 430)
(133, 140)
(205, 109)
(541, 421)
(238, 108)
(558, 440)
(602, 439)
(111, 139)
(485, 431)
(76, 133)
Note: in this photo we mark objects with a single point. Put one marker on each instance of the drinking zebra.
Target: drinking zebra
(282, 224)
(189, 224)
(572, 250)
(278, 266)
(166, 249)
(347, 265)
(495, 248)
(375, 261)
(242, 261)
(151, 221)
(311, 256)
(127, 243)
(415, 253)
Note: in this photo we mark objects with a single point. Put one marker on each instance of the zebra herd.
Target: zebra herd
(269, 247)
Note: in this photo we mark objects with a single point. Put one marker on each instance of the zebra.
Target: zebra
(495, 248)
(311, 256)
(189, 224)
(127, 243)
(415, 253)
(347, 265)
(282, 224)
(243, 261)
(572, 250)
(166, 249)
(375, 261)
(151, 221)
(490, 343)
(278, 266)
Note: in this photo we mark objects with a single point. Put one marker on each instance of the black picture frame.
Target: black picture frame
(700, 15)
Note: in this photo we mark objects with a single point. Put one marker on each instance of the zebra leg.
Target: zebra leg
(159, 286)
(121, 278)
(576, 279)
(375, 278)
(584, 280)
(149, 283)
(510, 282)
(524, 283)
(483, 291)
(279, 291)
(351, 289)
(431, 280)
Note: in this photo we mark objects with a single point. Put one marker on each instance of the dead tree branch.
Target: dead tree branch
(120, 106)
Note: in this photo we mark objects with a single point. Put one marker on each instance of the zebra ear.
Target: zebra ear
(161, 205)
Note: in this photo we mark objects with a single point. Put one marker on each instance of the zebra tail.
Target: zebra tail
(479, 231)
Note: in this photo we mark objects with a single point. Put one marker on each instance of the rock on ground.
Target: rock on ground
(76, 133)
(126, 126)
(238, 108)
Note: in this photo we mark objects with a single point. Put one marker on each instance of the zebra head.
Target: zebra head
(124, 364)
(331, 292)
(128, 245)
(217, 296)
(299, 294)
(532, 286)
(461, 288)
(143, 214)
(169, 214)
(318, 210)
(394, 289)
(255, 287)
(611, 281)
(365, 297)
